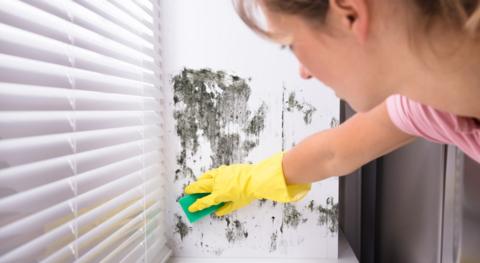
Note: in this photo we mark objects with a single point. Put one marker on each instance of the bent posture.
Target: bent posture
(409, 68)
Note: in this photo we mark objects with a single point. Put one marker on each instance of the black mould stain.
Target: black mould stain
(257, 123)
(311, 205)
(235, 231)
(181, 227)
(261, 202)
(308, 114)
(214, 105)
(249, 145)
(273, 242)
(328, 215)
(306, 108)
(214, 217)
(334, 122)
(291, 216)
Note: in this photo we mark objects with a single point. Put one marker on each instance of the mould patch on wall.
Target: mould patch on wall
(235, 231)
(211, 108)
(334, 122)
(181, 228)
(306, 108)
(214, 105)
(327, 215)
(291, 216)
(273, 242)
(257, 122)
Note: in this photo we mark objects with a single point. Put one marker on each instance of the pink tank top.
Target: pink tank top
(442, 127)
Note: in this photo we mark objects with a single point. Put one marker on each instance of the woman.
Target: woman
(409, 68)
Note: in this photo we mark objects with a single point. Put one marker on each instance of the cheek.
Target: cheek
(321, 64)
(329, 74)
(342, 80)
(316, 66)
(336, 69)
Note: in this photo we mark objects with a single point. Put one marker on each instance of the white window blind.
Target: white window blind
(81, 132)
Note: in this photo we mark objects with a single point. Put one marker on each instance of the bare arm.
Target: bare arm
(342, 150)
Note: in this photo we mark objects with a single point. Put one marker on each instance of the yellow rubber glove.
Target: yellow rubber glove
(238, 185)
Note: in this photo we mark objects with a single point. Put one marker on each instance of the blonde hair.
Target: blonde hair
(462, 15)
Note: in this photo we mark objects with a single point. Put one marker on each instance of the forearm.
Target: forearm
(313, 159)
(341, 150)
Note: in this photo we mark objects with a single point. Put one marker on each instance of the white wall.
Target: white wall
(208, 34)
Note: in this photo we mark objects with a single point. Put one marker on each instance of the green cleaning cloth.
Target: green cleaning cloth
(187, 200)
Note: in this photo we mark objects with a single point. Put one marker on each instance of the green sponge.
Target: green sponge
(187, 200)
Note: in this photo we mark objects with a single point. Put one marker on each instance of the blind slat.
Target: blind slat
(34, 98)
(84, 17)
(19, 179)
(131, 229)
(25, 204)
(62, 76)
(52, 146)
(43, 219)
(136, 11)
(96, 235)
(59, 235)
(18, 206)
(81, 153)
(155, 251)
(117, 254)
(31, 45)
(26, 123)
(108, 191)
(146, 5)
(115, 240)
(33, 248)
(86, 161)
(107, 246)
(134, 254)
(113, 13)
(23, 15)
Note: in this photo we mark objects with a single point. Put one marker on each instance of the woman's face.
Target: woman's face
(336, 57)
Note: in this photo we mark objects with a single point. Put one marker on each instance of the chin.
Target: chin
(360, 107)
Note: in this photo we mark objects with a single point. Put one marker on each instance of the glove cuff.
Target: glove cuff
(268, 181)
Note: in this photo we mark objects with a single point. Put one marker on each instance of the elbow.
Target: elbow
(340, 165)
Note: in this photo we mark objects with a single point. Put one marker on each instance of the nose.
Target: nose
(304, 73)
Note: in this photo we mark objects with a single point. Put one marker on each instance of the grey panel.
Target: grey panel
(350, 201)
(350, 198)
(470, 245)
(410, 203)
